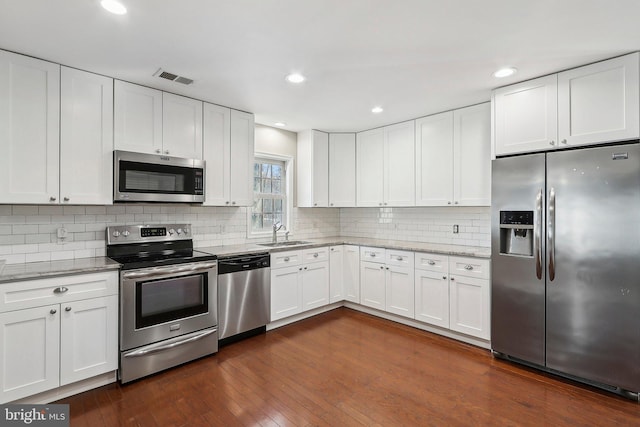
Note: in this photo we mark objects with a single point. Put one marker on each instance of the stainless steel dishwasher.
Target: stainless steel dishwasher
(244, 295)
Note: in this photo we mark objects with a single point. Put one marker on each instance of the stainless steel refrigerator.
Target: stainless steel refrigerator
(566, 263)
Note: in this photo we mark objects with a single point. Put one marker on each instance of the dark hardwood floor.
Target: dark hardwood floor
(345, 368)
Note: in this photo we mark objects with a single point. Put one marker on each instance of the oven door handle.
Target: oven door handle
(176, 342)
(161, 271)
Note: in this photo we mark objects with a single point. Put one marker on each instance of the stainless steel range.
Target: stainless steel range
(168, 298)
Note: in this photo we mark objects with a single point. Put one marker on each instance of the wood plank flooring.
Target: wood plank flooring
(345, 368)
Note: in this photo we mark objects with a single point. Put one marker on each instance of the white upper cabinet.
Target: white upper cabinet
(181, 126)
(526, 116)
(472, 155)
(370, 167)
(385, 166)
(137, 118)
(342, 170)
(86, 138)
(29, 129)
(593, 104)
(453, 158)
(217, 154)
(313, 169)
(242, 158)
(434, 160)
(599, 102)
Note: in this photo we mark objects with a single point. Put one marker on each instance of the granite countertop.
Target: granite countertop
(457, 250)
(37, 270)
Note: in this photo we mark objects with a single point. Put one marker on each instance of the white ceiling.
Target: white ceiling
(413, 57)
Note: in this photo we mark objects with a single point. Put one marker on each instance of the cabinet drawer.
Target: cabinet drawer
(469, 267)
(432, 262)
(399, 258)
(286, 259)
(315, 255)
(372, 254)
(55, 290)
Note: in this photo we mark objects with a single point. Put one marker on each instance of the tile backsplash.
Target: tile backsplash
(28, 233)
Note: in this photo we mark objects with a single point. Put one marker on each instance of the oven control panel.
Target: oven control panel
(119, 234)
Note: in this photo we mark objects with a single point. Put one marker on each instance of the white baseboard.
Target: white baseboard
(70, 389)
(305, 315)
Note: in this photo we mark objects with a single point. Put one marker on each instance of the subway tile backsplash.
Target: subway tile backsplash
(28, 233)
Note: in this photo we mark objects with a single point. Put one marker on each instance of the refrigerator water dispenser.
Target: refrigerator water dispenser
(516, 233)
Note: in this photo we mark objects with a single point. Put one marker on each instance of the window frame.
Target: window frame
(288, 194)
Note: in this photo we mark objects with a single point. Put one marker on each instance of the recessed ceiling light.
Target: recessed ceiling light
(377, 110)
(114, 7)
(280, 124)
(295, 78)
(505, 72)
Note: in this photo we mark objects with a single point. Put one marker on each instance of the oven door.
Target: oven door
(159, 303)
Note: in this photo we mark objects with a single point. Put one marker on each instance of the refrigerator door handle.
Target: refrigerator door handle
(551, 231)
(538, 235)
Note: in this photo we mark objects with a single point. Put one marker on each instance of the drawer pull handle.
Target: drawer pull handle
(373, 255)
(67, 309)
(431, 262)
(286, 259)
(399, 258)
(468, 267)
(60, 290)
(315, 255)
(444, 277)
(53, 311)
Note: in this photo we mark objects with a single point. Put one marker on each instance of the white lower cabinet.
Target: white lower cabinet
(386, 280)
(351, 273)
(67, 339)
(299, 281)
(336, 273)
(453, 293)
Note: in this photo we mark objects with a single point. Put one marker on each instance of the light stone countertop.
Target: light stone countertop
(38, 270)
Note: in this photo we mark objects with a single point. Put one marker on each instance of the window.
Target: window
(269, 194)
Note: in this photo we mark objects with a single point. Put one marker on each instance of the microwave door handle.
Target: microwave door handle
(537, 241)
(162, 271)
(551, 234)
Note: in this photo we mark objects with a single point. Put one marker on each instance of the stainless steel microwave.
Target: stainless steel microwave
(140, 177)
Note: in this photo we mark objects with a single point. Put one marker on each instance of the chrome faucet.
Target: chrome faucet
(276, 227)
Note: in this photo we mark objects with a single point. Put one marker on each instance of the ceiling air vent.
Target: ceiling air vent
(173, 77)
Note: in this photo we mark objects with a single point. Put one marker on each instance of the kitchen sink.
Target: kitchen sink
(284, 243)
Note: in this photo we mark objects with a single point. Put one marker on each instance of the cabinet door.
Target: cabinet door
(400, 291)
(472, 155)
(88, 338)
(137, 118)
(599, 102)
(313, 169)
(342, 170)
(469, 306)
(286, 294)
(86, 138)
(336, 273)
(315, 285)
(351, 276)
(29, 129)
(370, 167)
(242, 143)
(432, 298)
(434, 160)
(29, 355)
(399, 164)
(181, 126)
(372, 285)
(217, 154)
(526, 116)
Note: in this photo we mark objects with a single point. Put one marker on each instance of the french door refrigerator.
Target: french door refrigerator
(566, 263)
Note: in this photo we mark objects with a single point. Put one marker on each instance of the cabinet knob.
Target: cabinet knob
(158, 151)
(300, 268)
(67, 309)
(286, 259)
(387, 268)
(233, 203)
(166, 151)
(379, 204)
(468, 267)
(431, 262)
(373, 254)
(315, 204)
(331, 204)
(52, 199)
(53, 311)
(385, 203)
(448, 203)
(452, 279)
(399, 258)
(455, 203)
(226, 203)
(315, 255)
(444, 277)
(381, 267)
(60, 290)
(552, 143)
(305, 268)
(333, 249)
(564, 141)
(66, 199)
